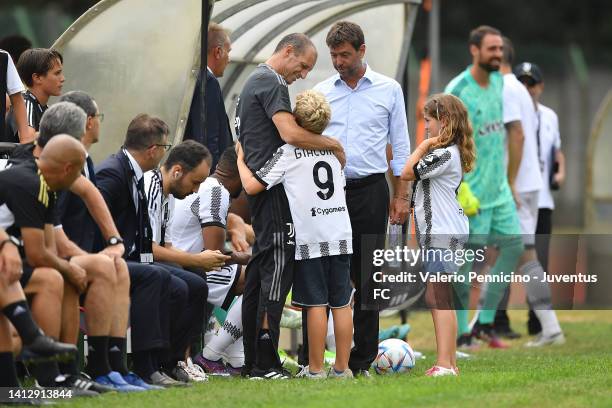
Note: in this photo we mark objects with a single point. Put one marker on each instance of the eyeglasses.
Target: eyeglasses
(100, 117)
(165, 146)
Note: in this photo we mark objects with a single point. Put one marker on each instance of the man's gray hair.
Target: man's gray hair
(82, 100)
(62, 117)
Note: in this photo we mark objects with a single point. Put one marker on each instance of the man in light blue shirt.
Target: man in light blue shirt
(368, 112)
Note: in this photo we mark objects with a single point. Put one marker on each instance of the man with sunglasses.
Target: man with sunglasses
(156, 294)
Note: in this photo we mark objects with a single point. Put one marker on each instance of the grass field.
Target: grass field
(577, 374)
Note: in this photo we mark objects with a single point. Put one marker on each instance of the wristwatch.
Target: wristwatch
(114, 241)
(11, 239)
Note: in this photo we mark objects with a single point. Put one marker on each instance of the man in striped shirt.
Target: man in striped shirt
(41, 71)
(187, 166)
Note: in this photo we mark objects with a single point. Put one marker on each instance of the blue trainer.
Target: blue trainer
(133, 379)
(116, 381)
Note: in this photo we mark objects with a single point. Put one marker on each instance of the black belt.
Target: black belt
(364, 181)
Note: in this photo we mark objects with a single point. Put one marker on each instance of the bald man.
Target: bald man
(28, 192)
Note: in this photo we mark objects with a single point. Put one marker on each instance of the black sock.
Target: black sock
(117, 354)
(97, 358)
(8, 375)
(266, 355)
(143, 364)
(71, 367)
(19, 314)
(46, 373)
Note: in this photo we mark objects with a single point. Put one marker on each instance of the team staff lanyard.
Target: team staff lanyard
(145, 247)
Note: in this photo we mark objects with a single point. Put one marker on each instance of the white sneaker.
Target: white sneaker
(314, 376)
(195, 372)
(437, 371)
(541, 340)
(345, 374)
(302, 371)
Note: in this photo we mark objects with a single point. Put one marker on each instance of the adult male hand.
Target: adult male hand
(10, 263)
(114, 251)
(77, 276)
(399, 210)
(210, 260)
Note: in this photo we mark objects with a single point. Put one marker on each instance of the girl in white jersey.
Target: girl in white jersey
(437, 167)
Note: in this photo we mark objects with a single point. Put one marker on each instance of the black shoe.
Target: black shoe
(534, 327)
(466, 342)
(487, 333)
(506, 332)
(71, 384)
(270, 374)
(44, 348)
(245, 372)
(84, 380)
(361, 373)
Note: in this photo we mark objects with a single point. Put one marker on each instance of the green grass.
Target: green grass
(577, 374)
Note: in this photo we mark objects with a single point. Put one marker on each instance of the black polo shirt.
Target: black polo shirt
(25, 199)
(264, 94)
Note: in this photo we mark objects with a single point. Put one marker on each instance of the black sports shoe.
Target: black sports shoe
(361, 373)
(507, 333)
(44, 348)
(487, 333)
(466, 342)
(270, 374)
(70, 383)
(94, 386)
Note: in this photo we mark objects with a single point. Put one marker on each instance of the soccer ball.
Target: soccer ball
(394, 356)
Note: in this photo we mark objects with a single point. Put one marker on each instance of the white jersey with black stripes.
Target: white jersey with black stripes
(440, 221)
(208, 207)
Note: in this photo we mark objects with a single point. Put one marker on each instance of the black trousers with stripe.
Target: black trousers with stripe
(269, 274)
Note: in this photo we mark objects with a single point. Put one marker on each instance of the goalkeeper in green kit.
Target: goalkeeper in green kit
(496, 223)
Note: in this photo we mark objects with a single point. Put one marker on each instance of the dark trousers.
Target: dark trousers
(189, 292)
(543, 231)
(368, 206)
(149, 306)
(269, 274)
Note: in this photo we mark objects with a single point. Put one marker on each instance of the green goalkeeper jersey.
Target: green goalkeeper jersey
(488, 180)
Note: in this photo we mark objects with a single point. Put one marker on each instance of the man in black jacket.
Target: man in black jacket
(155, 293)
(217, 135)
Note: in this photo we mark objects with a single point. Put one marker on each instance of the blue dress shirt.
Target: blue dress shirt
(365, 119)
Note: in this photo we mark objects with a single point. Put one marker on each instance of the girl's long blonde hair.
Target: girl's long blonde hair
(455, 126)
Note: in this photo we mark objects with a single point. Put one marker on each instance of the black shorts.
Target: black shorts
(324, 281)
(27, 273)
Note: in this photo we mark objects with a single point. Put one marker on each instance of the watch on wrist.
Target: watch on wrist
(10, 240)
(114, 241)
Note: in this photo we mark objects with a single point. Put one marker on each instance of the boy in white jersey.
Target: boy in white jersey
(314, 183)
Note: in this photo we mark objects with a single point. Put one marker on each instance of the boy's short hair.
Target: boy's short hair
(312, 111)
(37, 61)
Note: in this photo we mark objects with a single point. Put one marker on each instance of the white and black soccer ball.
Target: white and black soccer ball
(394, 356)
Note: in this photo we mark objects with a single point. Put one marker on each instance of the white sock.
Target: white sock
(230, 331)
(538, 293)
(234, 354)
(549, 321)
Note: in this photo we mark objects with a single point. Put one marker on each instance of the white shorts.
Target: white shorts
(221, 284)
(528, 215)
